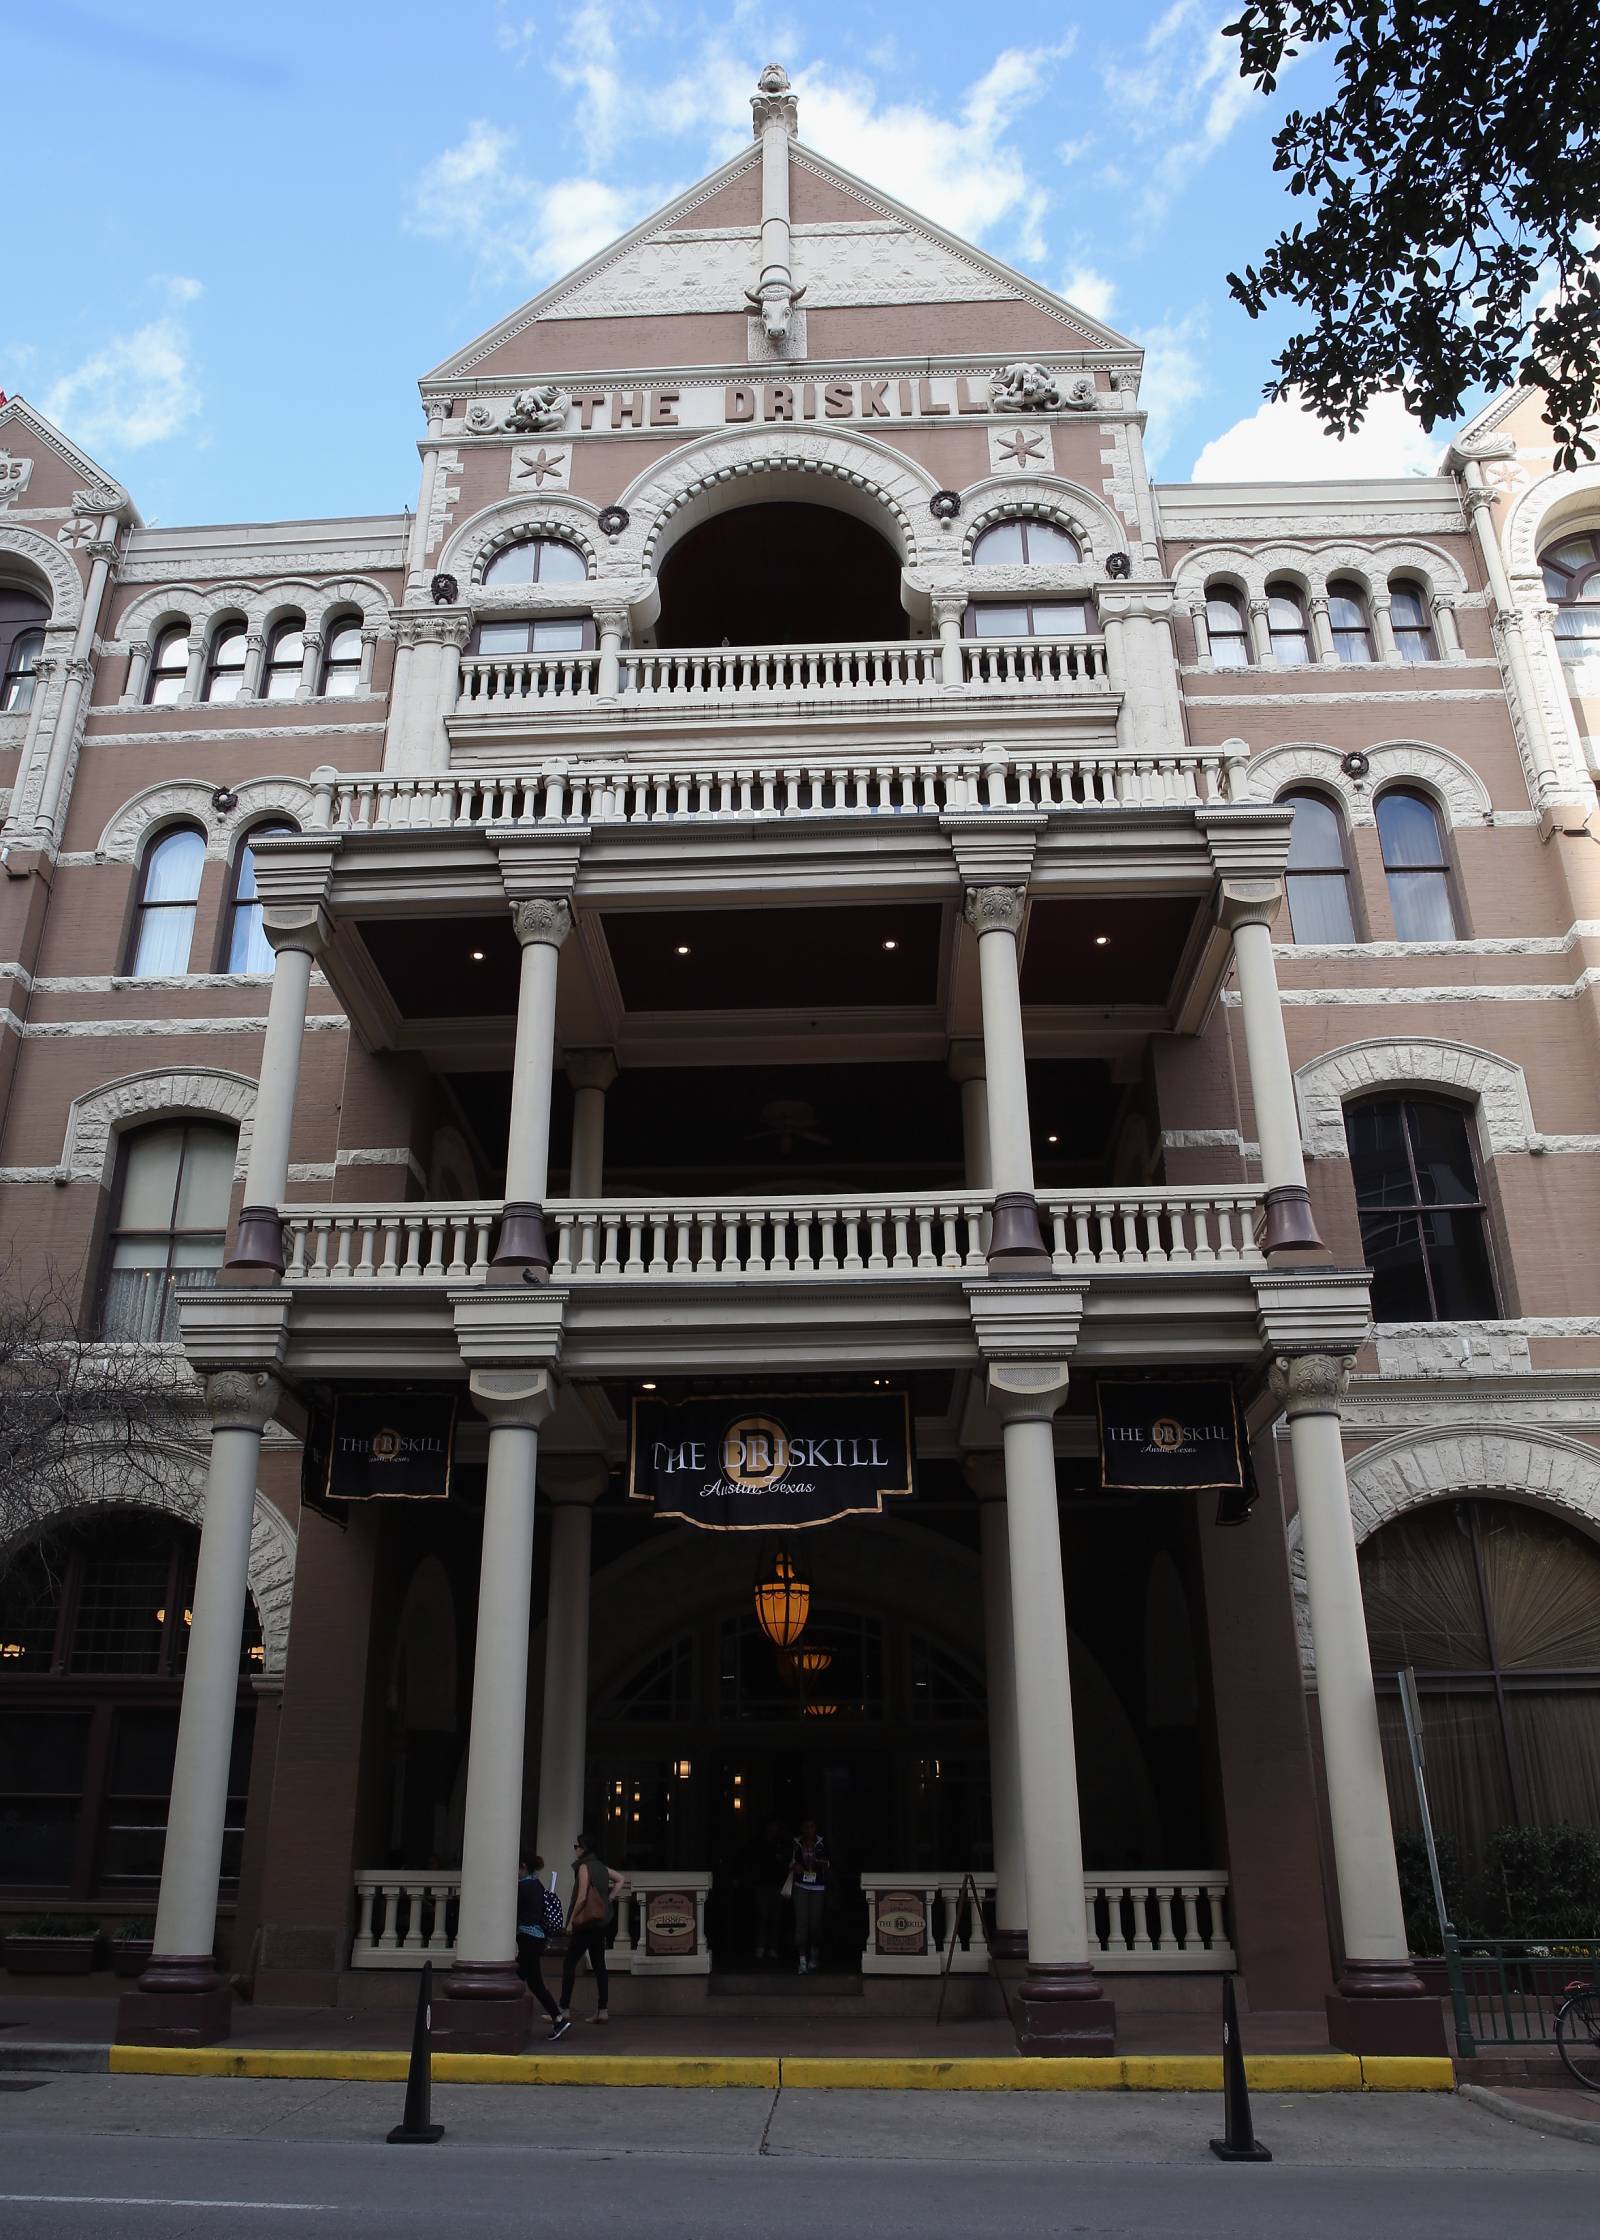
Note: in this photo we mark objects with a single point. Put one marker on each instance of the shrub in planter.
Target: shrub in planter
(51, 1944)
(132, 1942)
(1544, 1882)
(1416, 1893)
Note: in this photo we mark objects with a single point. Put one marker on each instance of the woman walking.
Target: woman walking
(809, 1874)
(588, 1921)
(538, 1913)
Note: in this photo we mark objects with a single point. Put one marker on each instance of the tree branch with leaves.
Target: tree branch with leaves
(1456, 177)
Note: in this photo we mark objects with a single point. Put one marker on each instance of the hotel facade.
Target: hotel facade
(802, 919)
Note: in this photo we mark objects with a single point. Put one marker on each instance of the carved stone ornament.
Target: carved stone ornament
(774, 100)
(994, 909)
(1023, 387)
(540, 411)
(15, 475)
(444, 591)
(241, 1399)
(1310, 1384)
(543, 918)
(104, 497)
(481, 419)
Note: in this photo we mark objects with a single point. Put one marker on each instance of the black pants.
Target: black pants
(590, 1940)
(530, 1955)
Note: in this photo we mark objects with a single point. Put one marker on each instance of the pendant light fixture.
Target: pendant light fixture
(783, 1602)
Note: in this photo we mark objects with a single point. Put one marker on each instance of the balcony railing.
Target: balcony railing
(716, 676)
(1169, 1921)
(407, 1916)
(670, 792)
(624, 1240)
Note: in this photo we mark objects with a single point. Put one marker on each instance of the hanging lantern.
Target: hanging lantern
(783, 1601)
(811, 1661)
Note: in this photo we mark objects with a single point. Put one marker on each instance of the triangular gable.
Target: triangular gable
(851, 246)
(21, 423)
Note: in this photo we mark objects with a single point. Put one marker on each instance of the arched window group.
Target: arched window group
(1025, 542)
(1416, 868)
(162, 941)
(1290, 637)
(225, 674)
(22, 621)
(541, 562)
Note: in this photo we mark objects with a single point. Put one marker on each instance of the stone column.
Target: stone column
(297, 938)
(610, 623)
(1063, 2008)
(966, 1066)
(195, 674)
(1444, 622)
(1379, 2004)
(310, 665)
(255, 654)
(995, 916)
(1261, 636)
(1322, 644)
(949, 607)
(571, 1484)
(138, 673)
(1383, 629)
(78, 670)
(369, 654)
(987, 1478)
(1202, 631)
(591, 1073)
(1247, 908)
(773, 115)
(542, 923)
(485, 2006)
(182, 1999)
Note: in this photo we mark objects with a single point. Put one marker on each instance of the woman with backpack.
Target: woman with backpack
(538, 1920)
(588, 1923)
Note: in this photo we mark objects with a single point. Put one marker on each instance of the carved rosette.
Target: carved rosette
(994, 909)
(241, 1399)
(546, 918)
(1310, 1384)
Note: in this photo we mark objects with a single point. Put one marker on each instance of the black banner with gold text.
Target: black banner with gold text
(736, 1462)
(1169, 1438)
(389, 1446)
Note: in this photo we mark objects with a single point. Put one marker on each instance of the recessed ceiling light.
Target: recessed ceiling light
(683, 948)
(477, 956)
(1052, 1139)
(891, 944)
(1102, 940)
(648, 1385)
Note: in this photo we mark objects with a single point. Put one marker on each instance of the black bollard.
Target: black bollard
(1240, 2143)
(414, 2129)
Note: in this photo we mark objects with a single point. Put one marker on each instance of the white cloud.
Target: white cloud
(587, 65)
(1172, 377)
(1183, 88)
(1285, 442)
(135, 389)
(515, 226)
(181, 290)
(1091, 291)
(515, 35)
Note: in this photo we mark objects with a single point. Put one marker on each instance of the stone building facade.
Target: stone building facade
(798, 868)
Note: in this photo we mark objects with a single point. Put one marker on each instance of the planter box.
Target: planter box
(51, 1956)
(130, 1957)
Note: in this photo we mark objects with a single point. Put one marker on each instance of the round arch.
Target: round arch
(100, 1115)
(49, 564)
(190, 800)
(1497, 1087)
(1454, 784)
(1555, 501)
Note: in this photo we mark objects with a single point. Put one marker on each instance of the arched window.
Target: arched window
(1318, 881)
(286, 657)
(225, 660)
(1496, 1608)
(1227, 628)
(248, 948)
(341, 658)
(1348, 620)
(22, 621)
(1571, 571)
(1412, 622)
(537, 560)
(1286, 624)
(169, 666)
(1026, 543)
(1424, 1233)
(1415, 865)
(169, 1219)
(170, 888)
(94, 1633)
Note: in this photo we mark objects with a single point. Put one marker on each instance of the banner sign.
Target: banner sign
(730, 1462)
(390, 1446)
(1169, 1438)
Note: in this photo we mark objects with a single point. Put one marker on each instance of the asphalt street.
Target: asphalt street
(169, 2157)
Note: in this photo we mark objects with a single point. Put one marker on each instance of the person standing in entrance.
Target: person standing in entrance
(809, 1874)
(538, 1911)
(588, 1924)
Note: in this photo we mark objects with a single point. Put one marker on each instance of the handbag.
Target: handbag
(587, 1908)
(787, 1891)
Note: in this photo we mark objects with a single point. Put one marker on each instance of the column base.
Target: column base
(179, 2002)
(259, 1240)
(1288, 1226)
(1009, 1944)
(522, 1242)
(1382, 2006)
(1016, 1243)
(1061, 2011)
(485, 2007)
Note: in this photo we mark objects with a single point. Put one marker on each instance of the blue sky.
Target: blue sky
(258, 229)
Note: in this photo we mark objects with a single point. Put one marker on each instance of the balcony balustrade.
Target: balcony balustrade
(631, 795)
(622, 1240)
(747, 676)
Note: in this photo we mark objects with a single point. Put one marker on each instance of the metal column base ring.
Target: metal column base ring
(1015, 1240)
(522, 1242)
(259, 1242)
(1289, 1226)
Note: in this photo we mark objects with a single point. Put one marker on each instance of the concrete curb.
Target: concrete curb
(69, 2056)
(1269, 2072)
(1551, 2122)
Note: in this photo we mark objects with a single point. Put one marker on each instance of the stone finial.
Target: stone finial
(774, 101)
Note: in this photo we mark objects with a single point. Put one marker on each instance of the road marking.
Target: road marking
(156, 2201)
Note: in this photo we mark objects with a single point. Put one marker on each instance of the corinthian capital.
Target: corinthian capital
(544, 918)
(994, 909)
(241, 1399)
(1310, 1384)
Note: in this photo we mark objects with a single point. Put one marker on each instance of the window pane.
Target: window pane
(145, 1251)
(1230, 653)
(1001, 545)
(151, 1159)
(1391, 1245)
(1319, 906)
(1347, 610)
(560, 563)
(1048, 546)
(248, 947)
(344, 642)
(1407, 608)
(1316, 838)
(1224, 613)
(42, 1753)
(206, 1179)
(165, 688)
(503, 637)
(1284, 611)
(1421, 901)
(1458, 1254)
(18, 692)
(281, 684)
(1443, 1154)
(165, 936)
(1379, 1168)
(1060, 618)
(37, 1838)
(991, 621)
(517, 564)
(288, 645)
(143, 1743)
(563, 635)
(173, 867)
(1408, 827)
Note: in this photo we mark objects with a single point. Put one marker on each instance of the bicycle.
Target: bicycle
(1578, 2031)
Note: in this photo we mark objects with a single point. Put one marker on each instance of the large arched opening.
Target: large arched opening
(781, 573)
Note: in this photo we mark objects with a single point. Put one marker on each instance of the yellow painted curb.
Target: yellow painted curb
(1013, 2073)
(604, 2068)
(1404, 2072)
(257, 2061)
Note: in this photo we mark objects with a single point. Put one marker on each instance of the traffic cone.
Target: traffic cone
(414, 2129)
(1240, 2143)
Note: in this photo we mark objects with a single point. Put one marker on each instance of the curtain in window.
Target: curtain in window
(166, 911)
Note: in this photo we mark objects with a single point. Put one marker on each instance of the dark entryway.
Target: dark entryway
(781, 575)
